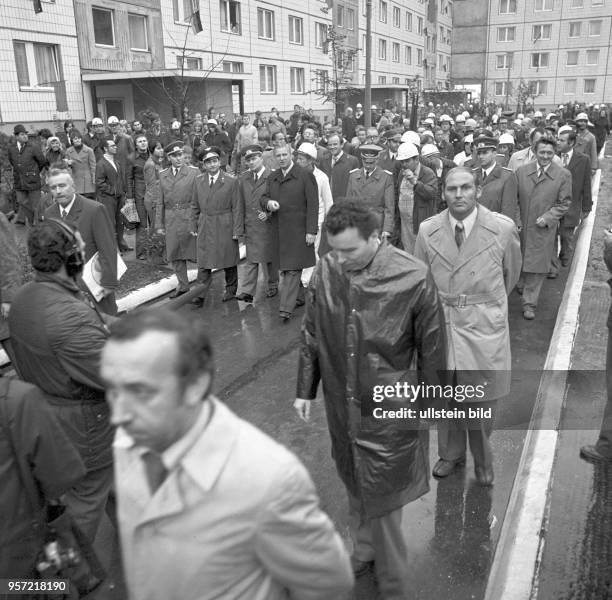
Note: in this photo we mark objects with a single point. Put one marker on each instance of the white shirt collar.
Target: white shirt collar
(286, 172)
(335, 159)
(261, 171)
(468, 222)
(488, 171)
(214, 177)
(66, 209)
(570, 153)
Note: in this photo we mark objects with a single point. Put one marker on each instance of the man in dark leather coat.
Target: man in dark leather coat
(372, 314)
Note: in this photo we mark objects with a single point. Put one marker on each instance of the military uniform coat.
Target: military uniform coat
(480, 275)
(499, 191)
(298, 196)
(217, 216)
(378, 192)
(548, 198)
(257, 233)
(174, 212)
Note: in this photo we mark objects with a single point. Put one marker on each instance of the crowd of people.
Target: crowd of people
(380, 231)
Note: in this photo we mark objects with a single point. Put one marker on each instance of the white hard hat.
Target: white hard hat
(428, 121)
(466, 114)
(520, 116)
(468, 139)
(429, 149)
(406, 151)
(411, 137)
(358, 105)
(212, 122)
(538, 113)
(431, 116)
(495, 118)
(97, 121)
(517, 122)
(505, 138)
(565, 128)
(445, 118)
(471, 123)
(308, 149)
(374, 107)
(113, 120)
(460, 119)
(582, 117)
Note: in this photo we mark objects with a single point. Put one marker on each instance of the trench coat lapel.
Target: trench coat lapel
(76, 209)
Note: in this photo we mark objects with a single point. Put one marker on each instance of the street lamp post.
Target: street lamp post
(367, 101)
(509, 57)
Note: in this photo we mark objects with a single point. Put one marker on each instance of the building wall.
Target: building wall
(38, 106)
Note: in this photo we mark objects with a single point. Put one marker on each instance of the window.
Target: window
(320, 34)
(541, 32)
(572, 58)
(340, 16)
(589, 86)
(440, 62)
(139, 40)
(419, 57)
(350, 19)
(507, 7)
(408, 55)
(363, 44)
(396, 52)
(230, 16)
(503, 61)
(594, 28)
(544, 4)
(104, 28)
(592, 57)
(382, 80)
(183, 10)
(267, 79)
(539, 59)
(408, 21)
(597, 2)
(265, 25)
(296, 75)
(296, 35)
(395, 81)
(345, 61)
(397, 17)
(364, 8)
(575, 29)
(506, 34)
(569, 86)
(233, 67)
(37, 64)
(577, 4)
(382, 49)
(420, 25)
(538, 87)
(382, 11)
(321, 80)
(407, 81)
(502, 87)
(190, 63)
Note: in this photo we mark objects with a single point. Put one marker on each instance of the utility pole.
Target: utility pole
(509, 60)
(367, 101)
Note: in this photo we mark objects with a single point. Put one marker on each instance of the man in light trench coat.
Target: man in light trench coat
(475, 259)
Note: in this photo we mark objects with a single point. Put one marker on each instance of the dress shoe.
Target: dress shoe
(198, 302)
(125, 248)
(361, 567)
(300, 302)
(528, 314)
(552, 275)
(271, 293)
(178, 292)
(244, 297)
(591, 453)
(443, 468)
(285, 316)
(227, 296)
(484, 475)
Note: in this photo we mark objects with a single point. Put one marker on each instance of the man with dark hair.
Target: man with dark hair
(136, 188)
(544, 193)
(353, 349)
(91, 220)
(339, 164)
(57, 340)
(27, 161)
(206, 501)
(110, 189)
(528, 155)
(475, 260)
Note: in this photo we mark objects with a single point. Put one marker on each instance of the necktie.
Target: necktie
(154, 469)
(254, 177)
(459, 234)
(174, 172)
(484, 174)
(565, 159)
(392, 157)
(540, 173)
(63, 212)
(212, 182)
(368, 175)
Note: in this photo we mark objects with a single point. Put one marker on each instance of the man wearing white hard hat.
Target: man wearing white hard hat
(465, 154)
(585, 140)
(417, 194)
(450, 135)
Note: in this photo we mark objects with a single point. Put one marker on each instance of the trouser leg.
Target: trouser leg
(180, 270)
(141, 228)
(479, 432)
(204, 277)
(567, 243)
(604, 443)
(231, 279)
(26, 211)
(248, 283)
(531, 290)
(108, 304)
(119, 225)
(289, 290)
(272, 274)
(452, 439)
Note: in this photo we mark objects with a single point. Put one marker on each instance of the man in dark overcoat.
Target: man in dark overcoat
(293, 198)
(339, 164)
(173, 214)
(10, 278)
(217, 217)
(257, 226)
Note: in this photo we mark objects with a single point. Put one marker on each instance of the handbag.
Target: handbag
(66, 553)
(130, 214)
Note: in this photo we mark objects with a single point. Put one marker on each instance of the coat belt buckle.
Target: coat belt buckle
(462, 301)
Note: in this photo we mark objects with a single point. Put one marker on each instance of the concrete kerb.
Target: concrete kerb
(515, 567)
(151, 292)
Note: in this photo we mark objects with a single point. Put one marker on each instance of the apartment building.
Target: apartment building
(39, 62)
(560, 48)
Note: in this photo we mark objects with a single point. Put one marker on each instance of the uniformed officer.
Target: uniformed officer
(173, 213)
(218, 218)
(375, 186)
(499, 185)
